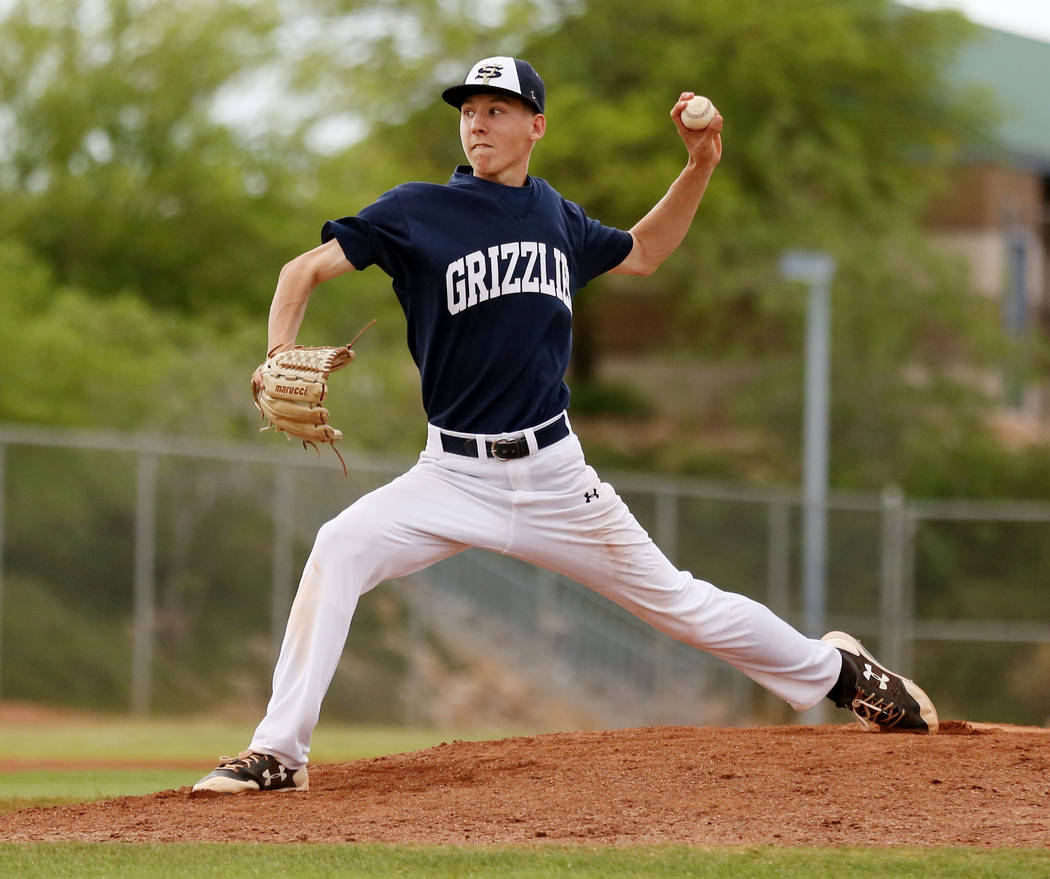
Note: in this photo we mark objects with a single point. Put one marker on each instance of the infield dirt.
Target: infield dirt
(972, 784)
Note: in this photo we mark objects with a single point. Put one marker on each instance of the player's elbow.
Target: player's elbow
(302, 272)
(638, 262)
(316, 266)
(297, 269)
(642, 266)
(645, 269)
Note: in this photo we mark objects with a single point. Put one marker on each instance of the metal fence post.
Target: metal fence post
(414, 695)
(662, 654)
(667, 522)
(907, 622)
(892, 577)
(778, 564)
(144, 612)
(283, 545)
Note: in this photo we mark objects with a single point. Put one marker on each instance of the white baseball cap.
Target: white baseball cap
(500, 74)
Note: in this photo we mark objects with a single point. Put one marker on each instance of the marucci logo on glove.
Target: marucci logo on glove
(294, 387)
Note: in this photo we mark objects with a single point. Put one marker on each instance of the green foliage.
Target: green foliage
(976, 465)
(997, 676)
(833, 112)
(902, 329)
(115, 362)
(610, 399)
(169, 149)
(70, 537)
(116, 171)
(66, 655)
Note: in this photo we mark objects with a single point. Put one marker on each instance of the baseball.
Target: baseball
(698, 113)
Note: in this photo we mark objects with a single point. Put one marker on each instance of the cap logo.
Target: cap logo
(489, 71)
(497, 73)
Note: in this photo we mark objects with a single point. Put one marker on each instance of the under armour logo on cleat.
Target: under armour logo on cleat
(870, 673)
(271, 777)
(591, 495)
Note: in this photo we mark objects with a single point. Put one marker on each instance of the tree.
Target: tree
(160, 162)
(840, 125)
(118, 174)
(170, 149)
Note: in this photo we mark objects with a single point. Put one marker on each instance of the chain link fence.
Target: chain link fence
(150, 573)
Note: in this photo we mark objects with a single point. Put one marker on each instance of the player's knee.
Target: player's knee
(355, 539)
(340, 536)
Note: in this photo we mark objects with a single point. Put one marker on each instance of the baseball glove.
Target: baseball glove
(294, 388)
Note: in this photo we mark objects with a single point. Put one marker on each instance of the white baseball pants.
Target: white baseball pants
(549, 508)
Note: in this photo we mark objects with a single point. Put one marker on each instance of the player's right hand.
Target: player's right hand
(704, 146)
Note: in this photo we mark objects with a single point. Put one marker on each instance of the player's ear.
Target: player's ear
(539, 126)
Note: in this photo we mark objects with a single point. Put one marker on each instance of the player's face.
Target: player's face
(497, 134)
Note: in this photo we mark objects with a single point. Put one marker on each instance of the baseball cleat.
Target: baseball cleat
(878, 696)
(250, 771)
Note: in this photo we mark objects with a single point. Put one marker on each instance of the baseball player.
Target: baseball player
(486, 268)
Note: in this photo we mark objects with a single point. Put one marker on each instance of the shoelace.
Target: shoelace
(880, 712)
(245, 759)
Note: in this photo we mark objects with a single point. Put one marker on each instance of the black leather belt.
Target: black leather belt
(509, 448)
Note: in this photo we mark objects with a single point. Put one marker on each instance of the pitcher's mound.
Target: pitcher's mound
(985, 785)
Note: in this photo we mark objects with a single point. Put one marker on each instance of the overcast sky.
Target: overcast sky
(1029, 18)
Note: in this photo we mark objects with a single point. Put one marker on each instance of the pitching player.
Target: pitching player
(486, 268)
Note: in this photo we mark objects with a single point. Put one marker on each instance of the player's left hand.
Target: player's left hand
(291, 386)
(704, 146)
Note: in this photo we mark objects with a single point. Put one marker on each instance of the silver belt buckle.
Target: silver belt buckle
(510, 449)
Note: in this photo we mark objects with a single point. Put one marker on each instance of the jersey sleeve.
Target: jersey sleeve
(377, 235)
(600, 248)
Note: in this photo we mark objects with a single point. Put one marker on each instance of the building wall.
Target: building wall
(989, 194)
(990, 210)
(996, 218)
(987, 250)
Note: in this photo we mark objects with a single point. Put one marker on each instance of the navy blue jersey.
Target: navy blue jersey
(486, 275)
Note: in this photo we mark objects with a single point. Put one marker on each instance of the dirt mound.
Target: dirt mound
(981, 785)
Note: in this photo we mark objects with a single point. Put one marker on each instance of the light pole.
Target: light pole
(817, 270)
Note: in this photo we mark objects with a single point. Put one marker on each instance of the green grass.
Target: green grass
(129, 861)
(180, 740)
(154, 742)
(53, 786)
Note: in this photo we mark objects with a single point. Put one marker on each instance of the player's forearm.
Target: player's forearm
(659, 233)
(288, 308)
